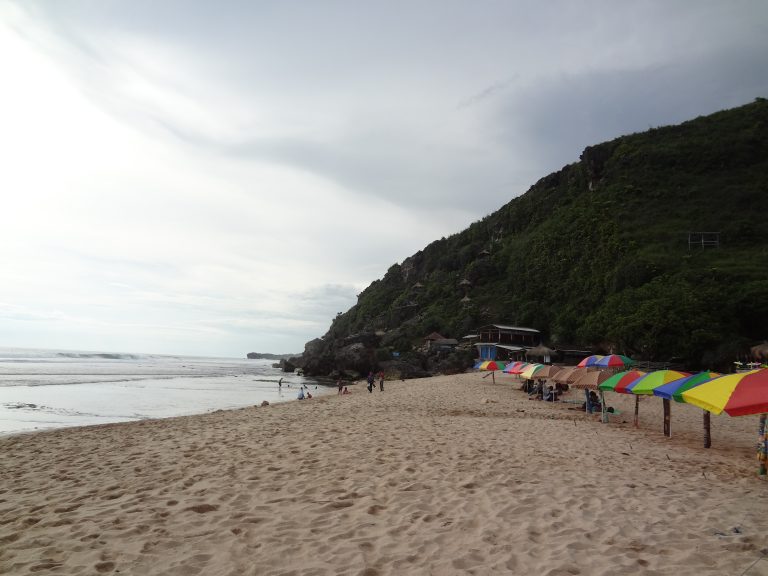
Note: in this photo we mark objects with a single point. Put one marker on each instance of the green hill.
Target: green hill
(598, 255)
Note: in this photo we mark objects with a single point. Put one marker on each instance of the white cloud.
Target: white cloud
(183, 179)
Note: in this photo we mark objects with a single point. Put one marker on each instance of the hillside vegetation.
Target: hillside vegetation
(597, 254)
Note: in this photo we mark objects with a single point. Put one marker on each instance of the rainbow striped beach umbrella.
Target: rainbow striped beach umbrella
(530, 371)
(619, 382)
(653, 380)
(519, 368)
(739, 394)
(674, 390)
(511, 366)
(589, 361)
(614, 361)
(492, 365)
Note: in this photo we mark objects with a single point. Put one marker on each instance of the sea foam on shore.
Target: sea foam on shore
(42, 389)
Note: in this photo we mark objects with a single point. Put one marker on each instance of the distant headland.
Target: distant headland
(265, 356)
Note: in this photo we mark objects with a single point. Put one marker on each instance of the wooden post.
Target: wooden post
(637, 410)
(602, 403)
(707, 435)
(762, 445)
(493, 376)
(587, 403)
(667, 419)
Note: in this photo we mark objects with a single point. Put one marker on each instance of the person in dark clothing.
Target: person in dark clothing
(371, 380)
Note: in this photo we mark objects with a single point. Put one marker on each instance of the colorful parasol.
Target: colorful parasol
(590, 361)
(492, 365)
(512, 365)
(614, 361)
(649, 382)
(674, 390)
(739, 394)
(530, 371)
(519, 368)
(478, 364)
(619, 382)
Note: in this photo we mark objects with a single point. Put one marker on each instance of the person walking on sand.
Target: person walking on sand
(381, 381)
(338, 384)
(371, 380)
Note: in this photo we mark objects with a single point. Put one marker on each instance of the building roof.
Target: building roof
(505, 346)
(435, 336)
(446, 342)
(504, 327)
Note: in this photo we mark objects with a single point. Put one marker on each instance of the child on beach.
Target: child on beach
(381, 381)
(371, 380)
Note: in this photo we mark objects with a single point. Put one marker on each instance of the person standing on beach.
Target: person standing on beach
(280, 384)
(338, 384)
(371, 380)
(381, 381)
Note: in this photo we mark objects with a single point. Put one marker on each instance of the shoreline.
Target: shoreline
(447, 474)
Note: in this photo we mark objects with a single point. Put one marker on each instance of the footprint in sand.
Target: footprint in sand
(202, 508)
(103, 567)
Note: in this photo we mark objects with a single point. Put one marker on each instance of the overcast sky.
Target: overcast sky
(214, 178)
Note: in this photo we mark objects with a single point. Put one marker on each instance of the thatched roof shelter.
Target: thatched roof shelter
(539, 350)
(760, 352)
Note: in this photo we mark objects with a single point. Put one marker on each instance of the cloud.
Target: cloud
(184, 178)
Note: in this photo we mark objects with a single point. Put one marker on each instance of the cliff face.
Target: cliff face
(598, 255)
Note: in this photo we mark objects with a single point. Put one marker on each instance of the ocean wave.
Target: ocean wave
(101, 355)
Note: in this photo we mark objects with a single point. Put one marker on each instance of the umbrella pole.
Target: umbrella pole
(587, 405)
(604, 419)
(707, 435)
(667, 419)
(637, 411)
(762, 445)
(493, 377)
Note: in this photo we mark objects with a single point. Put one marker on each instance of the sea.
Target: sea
(44, 389)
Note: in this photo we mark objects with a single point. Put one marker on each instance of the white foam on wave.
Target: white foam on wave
(51, 388)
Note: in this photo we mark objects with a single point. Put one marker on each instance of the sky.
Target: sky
(216, 178)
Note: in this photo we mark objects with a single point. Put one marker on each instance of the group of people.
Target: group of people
(538, 391)
(304, 393)
(340, 385)
(372, 381)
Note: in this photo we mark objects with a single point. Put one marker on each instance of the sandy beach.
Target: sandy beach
(445, 475)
